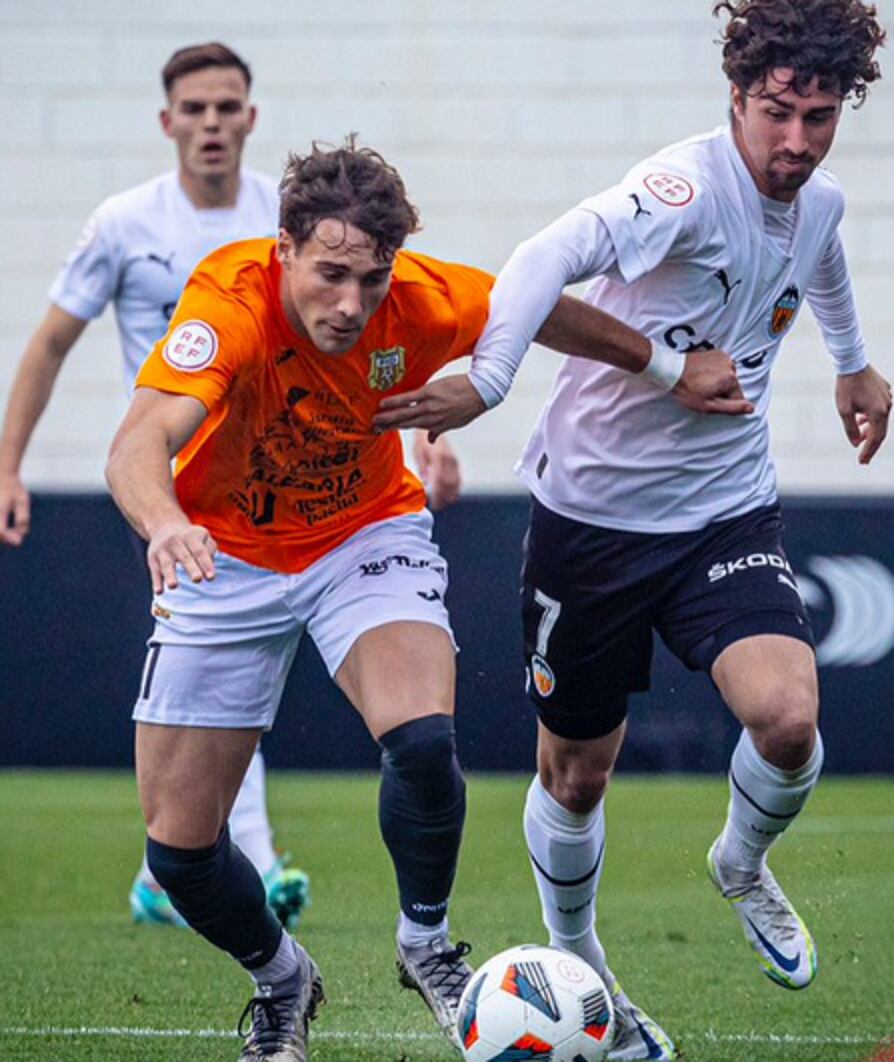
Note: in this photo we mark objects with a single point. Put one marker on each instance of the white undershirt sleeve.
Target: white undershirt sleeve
(831, 299)
(575, 247)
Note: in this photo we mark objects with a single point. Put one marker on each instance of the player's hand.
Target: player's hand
(709, 384)
(864, 405)
(15, 510)
(438, 469)
(179, 542)
(439, 406)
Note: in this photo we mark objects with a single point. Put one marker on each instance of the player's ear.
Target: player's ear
(736, 102)
(164, 117)
(285, 246)
(252, 117)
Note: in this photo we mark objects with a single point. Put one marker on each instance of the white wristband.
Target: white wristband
(665, 367)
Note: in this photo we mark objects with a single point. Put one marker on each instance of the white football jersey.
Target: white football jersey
(694, 269)
(139, 247)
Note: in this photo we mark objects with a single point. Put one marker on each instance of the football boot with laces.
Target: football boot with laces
(437, 970)
(773, 928)
(280, 1014)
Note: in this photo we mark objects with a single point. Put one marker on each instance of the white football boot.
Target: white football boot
(772, 926)
(636, 1036)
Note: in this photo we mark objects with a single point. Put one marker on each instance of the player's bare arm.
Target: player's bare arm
(31, 390)
(438, 469)
(864, 405)
(708, 383)
(156, 427)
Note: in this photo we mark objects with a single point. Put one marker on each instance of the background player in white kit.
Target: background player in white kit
(137, 251)
(647, 517)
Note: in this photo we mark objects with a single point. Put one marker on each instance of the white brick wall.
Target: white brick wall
(499, 113)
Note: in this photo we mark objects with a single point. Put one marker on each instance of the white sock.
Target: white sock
(414, 934)
(566, 851)
(249, 826)
(281, 967)
(145, 875)
(764, 801)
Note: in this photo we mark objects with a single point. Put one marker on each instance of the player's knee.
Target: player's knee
(184, 832)
(785, 731)
(576, 785)
(421, 755)
(179, 871)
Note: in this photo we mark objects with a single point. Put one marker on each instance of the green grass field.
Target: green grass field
(81, 982)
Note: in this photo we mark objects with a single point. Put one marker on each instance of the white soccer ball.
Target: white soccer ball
(536, 1003)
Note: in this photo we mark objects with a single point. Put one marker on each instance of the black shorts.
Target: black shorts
(591, 598)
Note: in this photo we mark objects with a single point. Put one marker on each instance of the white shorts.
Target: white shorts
(221, 650)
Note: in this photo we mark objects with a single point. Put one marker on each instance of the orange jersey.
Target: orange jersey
(286, 466)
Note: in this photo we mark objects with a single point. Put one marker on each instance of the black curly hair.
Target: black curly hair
(832, 40)
(351, 184)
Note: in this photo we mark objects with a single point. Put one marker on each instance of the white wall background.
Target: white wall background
(499, 113)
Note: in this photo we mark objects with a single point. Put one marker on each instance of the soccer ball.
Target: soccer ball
(535, 1003)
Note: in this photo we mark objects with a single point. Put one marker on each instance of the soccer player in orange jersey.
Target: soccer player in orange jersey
(288, 512)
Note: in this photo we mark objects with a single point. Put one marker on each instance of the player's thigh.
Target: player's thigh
(220, 652)
(398, 672)
(736, 585)
(382, 627)
(586, 615)
(188, 778)
(770, 683)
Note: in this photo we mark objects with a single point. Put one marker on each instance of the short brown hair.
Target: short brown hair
(832, 40)
(198, 57)
(350, 184)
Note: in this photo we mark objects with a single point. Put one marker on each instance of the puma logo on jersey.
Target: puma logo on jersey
(164, 262)
(728, 288)
(640, 209)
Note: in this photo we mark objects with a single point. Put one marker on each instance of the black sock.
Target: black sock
(422, 807)
(221, 895)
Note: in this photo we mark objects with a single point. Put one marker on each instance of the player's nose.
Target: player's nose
(350, 303)
(211, 117)
(796, 140)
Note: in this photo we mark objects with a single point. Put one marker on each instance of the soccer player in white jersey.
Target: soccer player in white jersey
(137, 251)
(649, 517)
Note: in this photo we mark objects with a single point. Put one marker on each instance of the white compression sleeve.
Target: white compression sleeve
(575, 247)
(831, 299)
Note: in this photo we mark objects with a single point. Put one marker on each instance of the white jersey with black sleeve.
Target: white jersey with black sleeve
(685, 258)
(139, 247)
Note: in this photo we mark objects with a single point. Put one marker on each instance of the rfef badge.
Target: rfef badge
(386, 368)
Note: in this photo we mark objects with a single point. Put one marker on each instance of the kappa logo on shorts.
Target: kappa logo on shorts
(386, 368)
(542, 675)
(159, 611)
(670, 189)
(398, 560)
(754, 560)
(192, 346)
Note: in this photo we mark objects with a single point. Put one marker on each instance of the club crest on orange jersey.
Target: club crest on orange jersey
(784, 310)
(386, 368)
